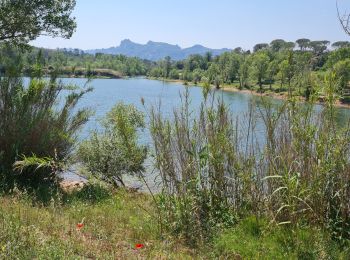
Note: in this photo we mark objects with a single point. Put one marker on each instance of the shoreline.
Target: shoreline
(274, 95)
(281, 96)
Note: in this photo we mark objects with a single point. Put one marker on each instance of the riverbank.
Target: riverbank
(281, 96)
(232, 88)
(80, 72)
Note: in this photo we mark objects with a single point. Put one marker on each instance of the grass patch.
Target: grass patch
(254, 239)
(113, 224)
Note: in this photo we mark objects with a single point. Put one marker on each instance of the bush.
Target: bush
(35, 125)
(90, 193)
(115, 151)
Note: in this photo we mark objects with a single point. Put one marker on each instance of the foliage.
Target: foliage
(196, 194)
(342, 71)
(282, 68)
(260, 66)
(73, 63)
(278, 65)
(34, 126)
(24, 20)
(215, 169)
(116, 150)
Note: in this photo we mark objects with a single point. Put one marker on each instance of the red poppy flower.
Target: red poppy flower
(80, 226)
(139, 246)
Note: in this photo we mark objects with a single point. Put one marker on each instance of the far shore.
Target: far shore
(230, 88)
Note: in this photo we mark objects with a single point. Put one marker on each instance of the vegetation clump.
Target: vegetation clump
(35, 130)
(115, 150)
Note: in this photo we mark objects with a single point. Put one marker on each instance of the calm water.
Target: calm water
(108, 92)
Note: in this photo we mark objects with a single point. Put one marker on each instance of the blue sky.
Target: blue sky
(213, 23)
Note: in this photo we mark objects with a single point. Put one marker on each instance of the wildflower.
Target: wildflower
(139, 246)
(80, 226)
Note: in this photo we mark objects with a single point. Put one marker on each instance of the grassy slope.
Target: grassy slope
(113, 224)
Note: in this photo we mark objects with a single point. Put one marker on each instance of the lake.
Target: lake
(108, 92)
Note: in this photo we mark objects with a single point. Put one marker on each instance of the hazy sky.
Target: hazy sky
(213, 23)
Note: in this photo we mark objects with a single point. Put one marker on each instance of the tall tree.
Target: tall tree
(303, 43)
(342, 71)
(287, 70)
(243, 72)
(167, 66)
(24, 20)
(260, 65)
(238, 50)
(260, 46)
(319, 47)
(272, 71)
(341, 44)
(277, 45)
(208, 56)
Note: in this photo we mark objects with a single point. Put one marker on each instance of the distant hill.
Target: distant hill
(156, 50)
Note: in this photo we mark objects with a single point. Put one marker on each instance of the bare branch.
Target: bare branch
(344, 20)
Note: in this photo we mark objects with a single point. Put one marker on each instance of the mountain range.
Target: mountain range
(156, 50)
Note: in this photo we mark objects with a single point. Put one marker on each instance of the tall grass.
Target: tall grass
(289, 163)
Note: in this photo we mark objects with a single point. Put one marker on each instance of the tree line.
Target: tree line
(68, 61)
(278, 66)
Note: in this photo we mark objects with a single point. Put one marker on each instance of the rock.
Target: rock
(70, 186)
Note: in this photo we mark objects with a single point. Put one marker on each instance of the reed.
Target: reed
(286, 162)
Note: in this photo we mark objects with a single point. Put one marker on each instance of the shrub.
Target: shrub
(115, 150)
(35, 125)
(90, 193)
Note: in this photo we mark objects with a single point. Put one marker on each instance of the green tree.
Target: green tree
(167, 66)
(319, 47)
(213, 72)
(260, 64)
(197, 75)
(174, 74)
(341, 44)
(233, 66)
(272, 71)
(337, 55)
(342, 71)
(243, 72)
(224, 62)
(208, 56)
(238, 50)
(287, 70)
(289, 46)
(24, 20)
(303, 43)
(277, 45)
(260, 46)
